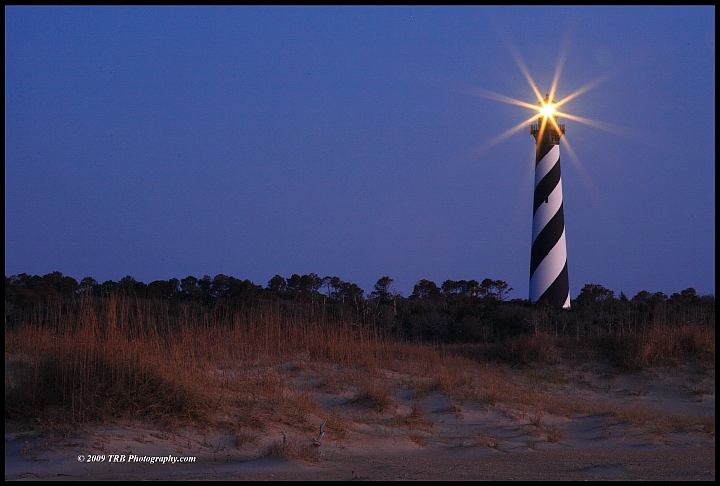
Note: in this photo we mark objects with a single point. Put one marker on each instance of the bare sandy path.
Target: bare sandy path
(662, 463)
(665, 465)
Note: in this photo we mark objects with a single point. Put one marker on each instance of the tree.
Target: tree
(647, 298)
(65, 286)
(501, 289)
(353, 292)
(472, 288)
(20, 290)
(642, 296)
(382, 291)
(334, 287)
(687, 296)
(277, 285)
(305, 285)
(163, 289)
(205, 286)
(310, 283)
(107, 288)
(87, 285)
(327, 283)
(591, 293)
(129, 286)
(172, 289)
(189, 288)
(426, 289)
(341, 291)
(450, 287)
(494, 289)
(293, 284)
(242, 290)
(220, 286)
(19, 280)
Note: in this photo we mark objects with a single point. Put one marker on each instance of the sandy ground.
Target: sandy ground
(445, 439)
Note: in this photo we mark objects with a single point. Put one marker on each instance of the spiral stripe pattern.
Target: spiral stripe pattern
(548, 258)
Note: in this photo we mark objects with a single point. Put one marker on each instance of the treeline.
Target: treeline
(456, 311)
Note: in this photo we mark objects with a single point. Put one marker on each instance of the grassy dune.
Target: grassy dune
(121, 359)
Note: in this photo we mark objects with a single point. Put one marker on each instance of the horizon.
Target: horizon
(366, 292)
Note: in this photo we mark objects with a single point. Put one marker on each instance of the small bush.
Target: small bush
(528, 350)
(292, 449)
(371, 390)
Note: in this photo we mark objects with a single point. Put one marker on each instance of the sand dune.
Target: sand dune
(561, 421)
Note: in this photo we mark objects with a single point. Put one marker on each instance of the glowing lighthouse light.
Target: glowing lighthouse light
(547, 109)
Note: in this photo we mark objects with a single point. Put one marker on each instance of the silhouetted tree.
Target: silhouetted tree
(494, 289)
(129, 286)
(220, 286)
(592, 293)
(163, 289)
(63, 285)
(107, 288)
(277, 286)
(243, 290)
(425, 289)
(450, 287)
(686, 297)
(189, 289)
(381, 290)
(205, 287)
(87, 285)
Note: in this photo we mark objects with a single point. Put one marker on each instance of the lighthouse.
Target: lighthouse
(549, 283)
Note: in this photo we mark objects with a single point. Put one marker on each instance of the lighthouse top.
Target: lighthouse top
(547, 130)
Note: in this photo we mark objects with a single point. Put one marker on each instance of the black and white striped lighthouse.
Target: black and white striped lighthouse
(549, 283)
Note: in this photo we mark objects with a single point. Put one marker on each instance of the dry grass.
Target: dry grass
(661, 423)
(449, 378)
(119, 359)
(485, 440)
(93, 374)
(375, 393)
(554, 433)
(292, 449)
(123, 359)
(415, 419)
(417, 438)
(528, 349)
(244, 437)
(453, 407)
(337, 428)
(663, 345)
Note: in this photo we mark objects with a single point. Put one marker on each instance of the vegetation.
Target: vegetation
(457, 311)
(79, 352)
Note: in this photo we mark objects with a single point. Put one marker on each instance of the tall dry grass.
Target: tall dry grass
(120, 358)
(663, 345)
(123, 358)
(94, 366)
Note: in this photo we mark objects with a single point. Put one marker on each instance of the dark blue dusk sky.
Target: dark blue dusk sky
(355, 142)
